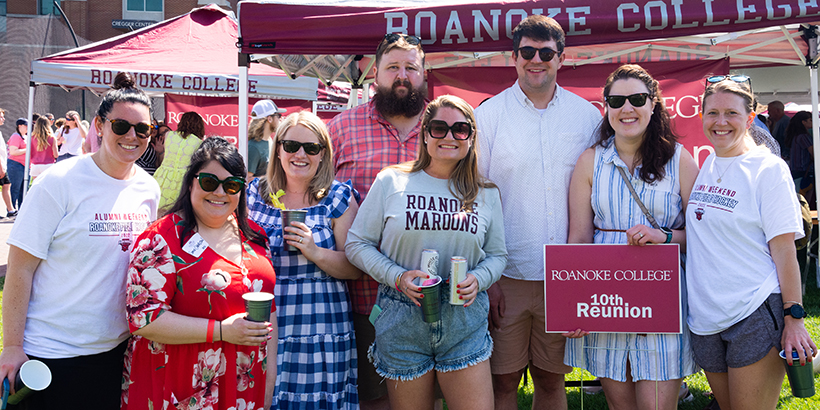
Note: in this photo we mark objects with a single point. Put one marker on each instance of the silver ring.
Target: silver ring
(639, 233)
(300, 239)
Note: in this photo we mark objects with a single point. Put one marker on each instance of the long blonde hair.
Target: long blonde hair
(42, 133)
(465, 181)
(320, 183)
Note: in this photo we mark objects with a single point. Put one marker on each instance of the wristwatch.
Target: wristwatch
(668, 233)
(795, 310)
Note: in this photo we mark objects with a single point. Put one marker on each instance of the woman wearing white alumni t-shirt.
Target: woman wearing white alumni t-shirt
(65, 287)
(741, 223)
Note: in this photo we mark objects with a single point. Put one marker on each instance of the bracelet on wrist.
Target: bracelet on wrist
(398, 279)
(209, 337)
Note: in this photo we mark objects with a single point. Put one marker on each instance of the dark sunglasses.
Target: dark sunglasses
(291, 147)
(618, 101)
(394, 37)
(231, 185)
(438, 129)
(121, 127)
(528, 53)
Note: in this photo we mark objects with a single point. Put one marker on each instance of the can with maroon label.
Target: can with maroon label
(458, 272)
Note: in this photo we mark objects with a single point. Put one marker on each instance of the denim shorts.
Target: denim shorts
(406, 347)
(744, 343)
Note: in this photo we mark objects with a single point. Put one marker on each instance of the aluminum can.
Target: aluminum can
(458, 272)
(429, 262)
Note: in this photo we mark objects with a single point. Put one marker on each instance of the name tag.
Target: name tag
(195, 246)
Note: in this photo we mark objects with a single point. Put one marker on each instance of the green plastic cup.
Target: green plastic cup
(801, 378)
(288, 216)
(258, 305)
(431, 302)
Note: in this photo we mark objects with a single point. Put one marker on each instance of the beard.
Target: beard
(390, 104)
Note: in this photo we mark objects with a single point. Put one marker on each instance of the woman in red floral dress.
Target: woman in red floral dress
(193, 348)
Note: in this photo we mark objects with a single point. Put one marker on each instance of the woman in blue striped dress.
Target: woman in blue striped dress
(635, 135)
(317, 348)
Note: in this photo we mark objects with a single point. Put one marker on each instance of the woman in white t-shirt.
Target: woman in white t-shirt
(743, 280)
(64, 298)
(71, 136)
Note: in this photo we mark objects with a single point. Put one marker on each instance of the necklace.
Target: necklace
(720, 177)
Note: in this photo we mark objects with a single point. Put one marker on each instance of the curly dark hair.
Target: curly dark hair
(191, 123)
(220, 150)
(658, 146)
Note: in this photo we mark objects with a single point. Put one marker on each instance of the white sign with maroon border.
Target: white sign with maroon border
(613, 288)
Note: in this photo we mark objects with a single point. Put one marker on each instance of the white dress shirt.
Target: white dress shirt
(530, 154)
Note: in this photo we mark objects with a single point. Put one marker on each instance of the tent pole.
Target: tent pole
(242, 138)
(31, 86)
(815, 125)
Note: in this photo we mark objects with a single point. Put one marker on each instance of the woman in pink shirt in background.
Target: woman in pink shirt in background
(43, 147)
(17, 164)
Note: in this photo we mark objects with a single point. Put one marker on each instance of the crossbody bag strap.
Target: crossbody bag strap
(646, 213)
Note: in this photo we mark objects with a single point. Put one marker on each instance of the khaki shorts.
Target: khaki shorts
(521, 338)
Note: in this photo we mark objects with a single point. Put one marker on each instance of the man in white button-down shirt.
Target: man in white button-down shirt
(530, 136)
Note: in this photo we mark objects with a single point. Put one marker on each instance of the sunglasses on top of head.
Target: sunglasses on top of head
(528, 53)
(740, 79)
(231, 185)
(292, 147)
(391, 38)
(618, 101)
(121, 127)
(438, 129)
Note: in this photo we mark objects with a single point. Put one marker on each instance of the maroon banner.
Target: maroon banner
(220, 113)
(681, 84)
(268, 27)
(612, 288)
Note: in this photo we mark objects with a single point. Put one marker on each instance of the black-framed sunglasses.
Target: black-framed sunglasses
(438, 129)
(121, 127)
(618, 101)
(391, 38)
(739, 78)
(311, 148)
(528, 53)
(209, 183)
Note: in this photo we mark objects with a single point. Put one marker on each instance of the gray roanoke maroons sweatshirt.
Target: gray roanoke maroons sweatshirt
(405, 213)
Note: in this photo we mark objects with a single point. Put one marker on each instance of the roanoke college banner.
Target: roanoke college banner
(612, 288)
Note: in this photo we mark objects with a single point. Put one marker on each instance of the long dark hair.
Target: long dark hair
(124, 89)
(220, 150)
(796, 127)
(658, 146)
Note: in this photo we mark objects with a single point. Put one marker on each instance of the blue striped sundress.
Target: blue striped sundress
(653, 356)
(316, 356)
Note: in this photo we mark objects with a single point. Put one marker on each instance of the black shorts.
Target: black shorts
(83, 382)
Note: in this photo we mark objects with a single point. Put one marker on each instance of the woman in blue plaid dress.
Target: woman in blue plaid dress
(317, 350)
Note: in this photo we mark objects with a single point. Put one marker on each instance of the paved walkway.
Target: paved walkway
(5, 229)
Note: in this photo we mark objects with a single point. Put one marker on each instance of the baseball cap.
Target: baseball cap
(264, 108)
(22, 121)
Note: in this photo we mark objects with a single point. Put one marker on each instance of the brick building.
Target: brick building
(30, 29)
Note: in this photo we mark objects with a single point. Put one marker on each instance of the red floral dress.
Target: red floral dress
(163, 277)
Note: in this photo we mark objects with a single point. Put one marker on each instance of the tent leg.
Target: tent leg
(815, 125)
(242, 138)
(31, 87)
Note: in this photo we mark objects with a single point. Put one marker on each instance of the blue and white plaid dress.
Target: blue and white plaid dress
(317, 349)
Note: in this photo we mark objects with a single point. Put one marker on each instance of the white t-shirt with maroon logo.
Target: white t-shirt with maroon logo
(81, 223)
(729, 224)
